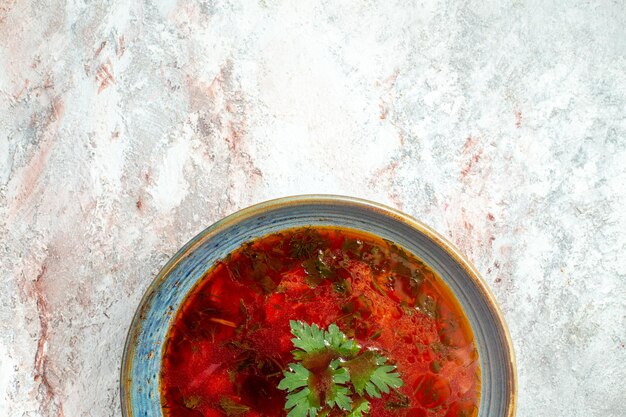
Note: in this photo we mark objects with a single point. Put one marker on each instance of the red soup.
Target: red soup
(231, 343)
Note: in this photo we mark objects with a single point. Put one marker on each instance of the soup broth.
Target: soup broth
(230, 342)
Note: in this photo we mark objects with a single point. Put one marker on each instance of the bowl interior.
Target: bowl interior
(143, 351)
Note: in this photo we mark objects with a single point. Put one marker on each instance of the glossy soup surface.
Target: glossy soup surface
(230, 341)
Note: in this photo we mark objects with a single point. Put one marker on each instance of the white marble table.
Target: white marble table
(125, 129)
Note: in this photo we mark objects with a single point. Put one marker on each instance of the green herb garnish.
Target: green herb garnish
(352, 246)
(305, 243)
(359, 408)
(331, 371)
(398, 400)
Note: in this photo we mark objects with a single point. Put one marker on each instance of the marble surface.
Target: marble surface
(128, 127)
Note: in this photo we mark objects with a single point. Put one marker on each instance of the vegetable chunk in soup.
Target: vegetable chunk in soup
(321, 322)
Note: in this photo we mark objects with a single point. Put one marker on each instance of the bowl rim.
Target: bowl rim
(309, 199)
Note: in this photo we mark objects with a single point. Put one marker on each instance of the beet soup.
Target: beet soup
(232, 341)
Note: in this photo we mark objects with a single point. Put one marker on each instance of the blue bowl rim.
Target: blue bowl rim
(312, 199)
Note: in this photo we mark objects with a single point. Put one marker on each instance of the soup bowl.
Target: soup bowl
(143, 351)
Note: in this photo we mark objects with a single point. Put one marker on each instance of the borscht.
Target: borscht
(316, 322)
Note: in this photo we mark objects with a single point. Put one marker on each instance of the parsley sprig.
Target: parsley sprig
(331, 371)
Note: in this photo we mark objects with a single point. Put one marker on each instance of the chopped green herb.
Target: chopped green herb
(316, 271)
(192, 402)
(246, 317)
(397, 250)
(377, 286)
(376, 334)
(427, 305)
(352, 246)
(267, 284)
(244, 310)
(306, 243)
(416, 279)
(376, 255)
(406, 308)
(398, 400)
(439, 348)
(401, 269)
(263, 267)
(348, 308)
(342, 287)
(232, 408)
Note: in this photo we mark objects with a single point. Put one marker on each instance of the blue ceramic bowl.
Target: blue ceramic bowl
(141, 363)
